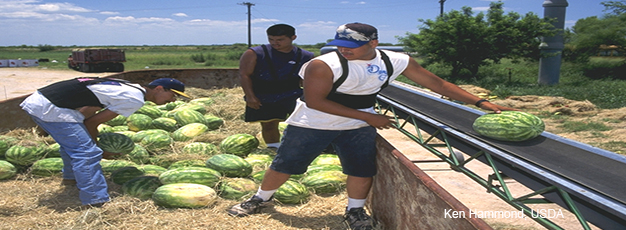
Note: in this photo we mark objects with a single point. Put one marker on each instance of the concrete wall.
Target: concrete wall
(405, 197)
(12, 116)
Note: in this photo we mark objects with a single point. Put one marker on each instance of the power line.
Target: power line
(249, 23)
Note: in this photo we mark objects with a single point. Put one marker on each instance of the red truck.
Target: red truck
(97, 60)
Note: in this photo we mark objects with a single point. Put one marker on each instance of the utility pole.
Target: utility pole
(441, 7)
(249, 24)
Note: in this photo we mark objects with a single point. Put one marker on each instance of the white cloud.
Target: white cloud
(480, 8)
(131, 19)
(109, 13)
(361, 3)
(180, 15)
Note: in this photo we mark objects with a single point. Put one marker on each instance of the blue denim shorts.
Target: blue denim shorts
(356, 149)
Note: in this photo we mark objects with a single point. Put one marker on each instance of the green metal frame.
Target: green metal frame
(500, 189)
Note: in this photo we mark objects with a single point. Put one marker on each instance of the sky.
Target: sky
(216, 22)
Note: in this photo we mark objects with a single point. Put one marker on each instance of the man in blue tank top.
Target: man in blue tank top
(270, 81)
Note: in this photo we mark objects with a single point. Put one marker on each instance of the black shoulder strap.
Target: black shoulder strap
(96, 80)
(344, 73)
(389, 67)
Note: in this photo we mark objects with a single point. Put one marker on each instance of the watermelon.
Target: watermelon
(152, 170)
(128, 133)
(326, 159)
(23, 155)
(239, 144)
(189, 131)
(509, 126)
(109, 166)
(115, 143)
(7, 170)
(184, 195)
(104, 128)
(174, 104)
(137, 122)
(213, 122)
(200, 148)
(141, 187)
(202, 101)
(327, 167)
(122, 175)
(292, 192)
(196, 175)
(258, 176)
(144, 133)
(156, 141)
(265, 151)
(5, 143)
(188, 116)
(139, 155)
(149, 103)
(47, 167)
(237, 188)
(229, 165)
(53, 150)
(323, 182)
(164, 123)
(196, 107)
(259, 160)
(118, 120)
(186, 163)
(150, 111)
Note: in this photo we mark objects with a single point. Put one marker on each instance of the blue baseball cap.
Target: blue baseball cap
(172, 84)
(354, 35)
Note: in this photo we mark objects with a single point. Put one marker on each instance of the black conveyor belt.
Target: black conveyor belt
(582, 165)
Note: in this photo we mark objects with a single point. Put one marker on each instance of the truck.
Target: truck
(97, 60)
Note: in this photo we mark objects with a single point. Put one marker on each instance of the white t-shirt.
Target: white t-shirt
(365, 77)
(121, 99)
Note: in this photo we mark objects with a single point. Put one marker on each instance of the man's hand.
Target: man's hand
(253, 102)
(380, 121)
(109, 155)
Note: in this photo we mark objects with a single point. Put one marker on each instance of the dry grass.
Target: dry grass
(28, 202)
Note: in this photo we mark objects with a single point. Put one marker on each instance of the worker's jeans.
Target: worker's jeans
(81, 159)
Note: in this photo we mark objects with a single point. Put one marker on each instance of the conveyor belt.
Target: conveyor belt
(596, 169)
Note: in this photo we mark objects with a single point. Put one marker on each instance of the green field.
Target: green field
(503, 79)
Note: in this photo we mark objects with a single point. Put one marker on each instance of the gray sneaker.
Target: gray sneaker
(248, 207)
(357, 219)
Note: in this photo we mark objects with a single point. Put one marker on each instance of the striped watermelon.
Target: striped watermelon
(196, 175)
(327, 167)
(202, 101)
(196, 107)
(326, 159)
(141, 187)
(152, 170)
(5, 143)
(201, 148)
(237, 188)
(47, 167)
(258, 176)
(53, 150)
(189, 131)
(186, 163)
(184, 195)
(137, 122)
(104, 128)
(115, 143)
(229, 165)
(188, 116)
(7, 170)
(139, 155)
(128, 133)
(239, 144)
(144, 133)
(164, 123)
(119, 120)
(156, 141)
(122, 175)
(292, 192)
(509, 126)
(323, 182)
(259, 160)
(119, 128)
(213, 122)
(149, 110)
(174, 104)
(23, 155)
(109, 166)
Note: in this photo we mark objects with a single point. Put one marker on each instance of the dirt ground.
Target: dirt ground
(22, 81)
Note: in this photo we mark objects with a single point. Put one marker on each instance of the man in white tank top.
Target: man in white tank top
(343, 116)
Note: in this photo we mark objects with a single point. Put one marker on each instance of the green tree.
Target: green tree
(589, 34)
(465, 42)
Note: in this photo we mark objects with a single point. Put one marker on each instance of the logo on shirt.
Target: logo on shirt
(375, 69)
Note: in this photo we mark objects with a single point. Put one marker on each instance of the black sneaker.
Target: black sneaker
(250, 206)
(357, 219)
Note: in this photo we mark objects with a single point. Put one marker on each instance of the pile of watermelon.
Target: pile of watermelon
(180, 156)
